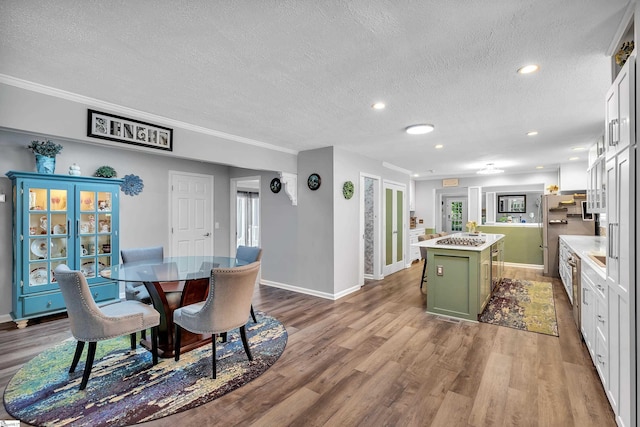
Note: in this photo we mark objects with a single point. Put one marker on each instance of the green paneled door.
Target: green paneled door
(399, 225)
(394, 227)
(388, 226)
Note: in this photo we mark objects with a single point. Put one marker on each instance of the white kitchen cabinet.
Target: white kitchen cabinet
(620, 111)
(620, 178)
(588, 313)
(596, 192)
(414, 252)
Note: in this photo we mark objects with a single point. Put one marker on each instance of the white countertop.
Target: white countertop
(585, 245)
(489, 239)
(512, 224)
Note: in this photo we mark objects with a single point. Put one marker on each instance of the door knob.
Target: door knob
(207, 235)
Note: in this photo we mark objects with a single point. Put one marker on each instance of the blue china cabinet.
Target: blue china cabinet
(61, 219)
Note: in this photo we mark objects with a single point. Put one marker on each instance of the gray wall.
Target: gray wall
(143, 218)
(65, 116)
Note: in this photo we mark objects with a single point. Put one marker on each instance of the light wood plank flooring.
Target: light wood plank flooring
(376, 358)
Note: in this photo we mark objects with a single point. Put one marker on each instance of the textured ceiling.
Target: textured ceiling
(303, 74)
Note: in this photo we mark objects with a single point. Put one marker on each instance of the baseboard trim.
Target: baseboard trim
(311, 292)
(529, 266)
(5, 318)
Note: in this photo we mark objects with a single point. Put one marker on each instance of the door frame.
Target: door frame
(377, 230)
(233, 226)
(171, 175)
(405, 222)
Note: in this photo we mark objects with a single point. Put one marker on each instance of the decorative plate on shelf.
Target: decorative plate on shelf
(59, 229)
(38, 276)
(313, 182)
(39, 248)
(275, 185)
(89, 268)
(347, 190)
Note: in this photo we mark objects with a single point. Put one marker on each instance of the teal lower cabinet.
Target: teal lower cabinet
(458, 282)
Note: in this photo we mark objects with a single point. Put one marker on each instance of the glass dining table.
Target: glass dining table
(173, 282)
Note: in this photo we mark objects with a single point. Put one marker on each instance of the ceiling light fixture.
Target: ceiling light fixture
(419, 129)
(528, 69)
(574, 158)
(578, 148)
(532, 133)
(378, 106)
(439, 146)
(490, 169)
(539, 167)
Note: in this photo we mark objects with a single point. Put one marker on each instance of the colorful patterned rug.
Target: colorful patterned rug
(524, 305)
(124, 387)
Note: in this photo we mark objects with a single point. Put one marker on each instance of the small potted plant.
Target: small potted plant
(105, 172)
(45, 152)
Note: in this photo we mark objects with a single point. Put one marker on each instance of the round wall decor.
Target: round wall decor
(275, 185)
(313, 181)
(347, 190)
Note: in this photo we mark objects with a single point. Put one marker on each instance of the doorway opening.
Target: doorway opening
(455, 213)
(245, 209)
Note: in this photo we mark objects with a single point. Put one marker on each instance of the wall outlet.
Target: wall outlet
(3, 198)
(439, 270)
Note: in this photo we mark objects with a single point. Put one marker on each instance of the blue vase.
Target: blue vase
(45, 164)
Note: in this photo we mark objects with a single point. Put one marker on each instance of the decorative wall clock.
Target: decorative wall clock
(275, 185)
(313, 182)
(132, 185)
(347, 190)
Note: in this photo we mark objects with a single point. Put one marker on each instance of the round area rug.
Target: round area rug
(125, 388)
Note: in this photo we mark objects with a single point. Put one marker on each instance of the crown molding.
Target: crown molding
(81, 99)
(396, 168)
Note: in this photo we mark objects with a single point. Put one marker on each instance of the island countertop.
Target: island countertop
(487, 238)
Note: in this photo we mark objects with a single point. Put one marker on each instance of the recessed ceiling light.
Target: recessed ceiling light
(574, 158)
(528, 69)
(532, 133)
(378, 106)
(539, 167)
(439, 146)
(578, 148)
(419, 129)
(415, 175)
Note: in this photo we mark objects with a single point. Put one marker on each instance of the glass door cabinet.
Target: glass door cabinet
(60, 219)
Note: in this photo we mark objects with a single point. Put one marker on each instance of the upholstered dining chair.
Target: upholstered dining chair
(136, 291)
(90, 323)
(249, 254)
(226, 308)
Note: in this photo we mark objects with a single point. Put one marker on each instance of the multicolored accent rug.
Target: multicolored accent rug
(124, 387)
(524, 305)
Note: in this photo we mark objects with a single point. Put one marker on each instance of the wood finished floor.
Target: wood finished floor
(375, 358)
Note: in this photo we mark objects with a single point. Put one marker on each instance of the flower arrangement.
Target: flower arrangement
(105, 172)
(471, 226)
(45, 148)
(553, 188)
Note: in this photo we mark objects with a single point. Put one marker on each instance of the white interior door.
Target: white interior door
(191, 214)
(394, 226)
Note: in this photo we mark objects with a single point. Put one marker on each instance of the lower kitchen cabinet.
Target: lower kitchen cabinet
(414, 252)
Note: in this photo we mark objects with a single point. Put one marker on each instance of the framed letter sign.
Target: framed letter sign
(130, 131)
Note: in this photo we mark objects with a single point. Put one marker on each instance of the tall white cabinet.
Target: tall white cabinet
(620, 177)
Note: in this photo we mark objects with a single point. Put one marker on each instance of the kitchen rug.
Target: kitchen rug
(124, 388)
(524, 305)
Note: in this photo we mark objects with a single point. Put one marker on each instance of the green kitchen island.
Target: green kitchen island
(461, 269)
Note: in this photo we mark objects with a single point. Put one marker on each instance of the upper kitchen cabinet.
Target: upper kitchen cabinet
(619, 113)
